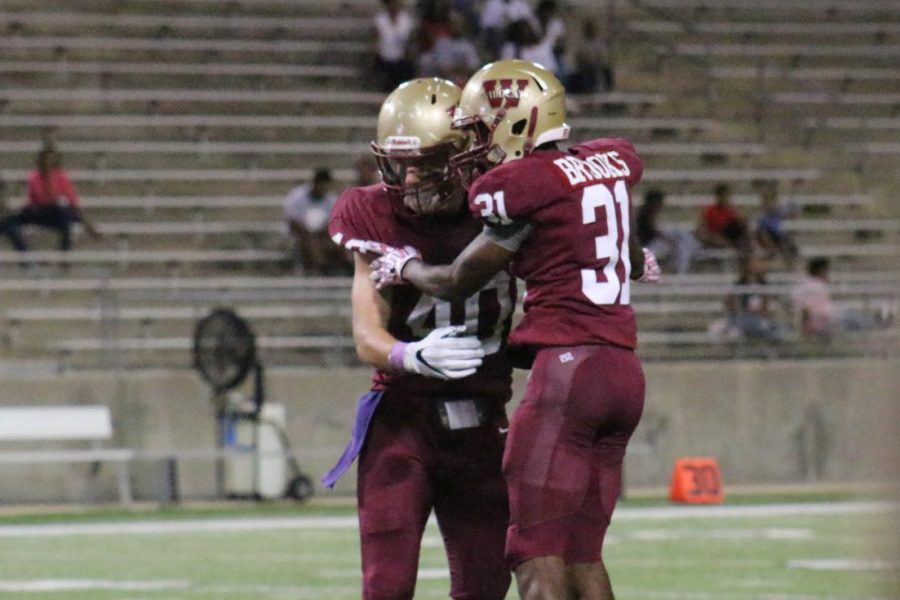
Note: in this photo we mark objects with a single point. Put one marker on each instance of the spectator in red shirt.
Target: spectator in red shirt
(721, 225)
(52, 203)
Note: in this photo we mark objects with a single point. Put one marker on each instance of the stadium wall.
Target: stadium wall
(765, 422)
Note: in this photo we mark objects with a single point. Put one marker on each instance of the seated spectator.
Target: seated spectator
(817, 316)
(721, 225)
(592, 66)
(770, 232)
(393, 30)
(751, 312)
(673, 247)
(496, 17)
(52, 203)
(451, 57)
(306, 211)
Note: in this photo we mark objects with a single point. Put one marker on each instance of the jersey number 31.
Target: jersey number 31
(610, 246)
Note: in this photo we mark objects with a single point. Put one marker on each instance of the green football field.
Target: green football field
(770, 551)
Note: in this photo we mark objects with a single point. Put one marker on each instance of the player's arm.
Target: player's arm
(445, 353)
(473, 268)
(635, 254)
(370, 316)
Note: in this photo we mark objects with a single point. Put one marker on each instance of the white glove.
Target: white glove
(652, 272)
(387, 269)
(443, 354)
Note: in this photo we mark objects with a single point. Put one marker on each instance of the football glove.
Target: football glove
(652, 272)
(387, 269)
(443, 354)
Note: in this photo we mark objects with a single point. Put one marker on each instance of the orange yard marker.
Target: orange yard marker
(696, 481)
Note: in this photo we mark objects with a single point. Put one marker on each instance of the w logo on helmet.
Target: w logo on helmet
(498, 90)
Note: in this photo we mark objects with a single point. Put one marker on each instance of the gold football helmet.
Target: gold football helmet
(508, 108)
(415, 141)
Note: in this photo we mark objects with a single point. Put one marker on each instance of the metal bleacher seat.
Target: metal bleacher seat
(870, 52)
(768, 29)
(111, 45)
(779, 6)
(172, 68)
(776, 73)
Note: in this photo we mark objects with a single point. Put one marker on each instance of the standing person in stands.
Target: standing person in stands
(561, 221)
(429, 434)
(593, 69)
(393, 31)
(52, 203)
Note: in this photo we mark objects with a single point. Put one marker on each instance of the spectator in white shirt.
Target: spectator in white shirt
(816, 314)
(393, 28)
(306, 211)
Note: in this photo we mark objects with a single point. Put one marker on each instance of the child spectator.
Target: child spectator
(750, 310)
(770, 231)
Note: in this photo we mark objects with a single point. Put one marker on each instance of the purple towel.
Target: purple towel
(364, 411)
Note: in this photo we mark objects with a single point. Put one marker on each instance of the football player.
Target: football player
(434, 421)
(562, 220)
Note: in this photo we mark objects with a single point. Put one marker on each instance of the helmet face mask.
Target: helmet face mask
(414, 145)
(421, 182)
(508, 108)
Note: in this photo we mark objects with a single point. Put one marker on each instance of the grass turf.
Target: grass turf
(649, 558)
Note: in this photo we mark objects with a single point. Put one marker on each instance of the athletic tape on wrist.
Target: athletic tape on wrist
(395, 356)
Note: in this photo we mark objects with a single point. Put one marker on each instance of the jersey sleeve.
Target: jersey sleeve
(509, 193)
(629, 156)
(348, 225)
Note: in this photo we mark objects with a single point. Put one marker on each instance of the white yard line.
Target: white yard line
(350, 522)
(662, 535)
(843, 564)
(185, 587)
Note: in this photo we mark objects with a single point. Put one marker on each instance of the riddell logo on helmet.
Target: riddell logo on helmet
(497, 90)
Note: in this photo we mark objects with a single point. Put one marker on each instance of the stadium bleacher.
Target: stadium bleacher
(184, 128)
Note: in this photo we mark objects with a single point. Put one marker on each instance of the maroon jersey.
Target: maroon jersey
(365, 214)
(575, 261)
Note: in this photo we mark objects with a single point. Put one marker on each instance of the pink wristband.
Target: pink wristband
(395, 357)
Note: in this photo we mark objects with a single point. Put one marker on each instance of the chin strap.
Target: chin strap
(529, 137)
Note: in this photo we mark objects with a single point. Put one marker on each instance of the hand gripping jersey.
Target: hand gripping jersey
(365, 214)
(575, 261)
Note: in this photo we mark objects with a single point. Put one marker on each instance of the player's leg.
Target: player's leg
(394, 497)
(472, 510)
(547, 482)
(606, 401)
(590, 581)
(543, 578)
